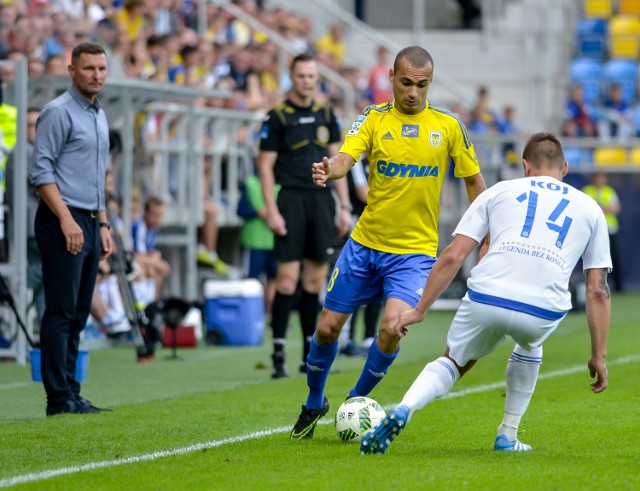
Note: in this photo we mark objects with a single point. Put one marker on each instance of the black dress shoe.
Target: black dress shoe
(67, 407)
(88, 406)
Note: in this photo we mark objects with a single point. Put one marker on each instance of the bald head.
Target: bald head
(416, 56)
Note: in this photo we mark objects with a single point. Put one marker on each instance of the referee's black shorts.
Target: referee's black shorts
(310, 217)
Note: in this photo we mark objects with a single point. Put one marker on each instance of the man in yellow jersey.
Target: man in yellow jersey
(393, 246)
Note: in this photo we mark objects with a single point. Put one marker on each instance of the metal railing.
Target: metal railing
(187, 137)
(16, 231)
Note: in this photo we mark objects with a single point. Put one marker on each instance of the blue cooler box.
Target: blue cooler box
(234, 311)
(81, 365)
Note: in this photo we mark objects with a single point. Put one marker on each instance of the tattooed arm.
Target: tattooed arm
(598, 318)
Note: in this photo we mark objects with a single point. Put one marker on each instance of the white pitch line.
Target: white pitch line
(40, 476)
(15, 385)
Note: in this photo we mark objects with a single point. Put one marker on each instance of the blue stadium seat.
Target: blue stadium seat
(624, 73)
(588, 73)
(592, 37)
(578, 157)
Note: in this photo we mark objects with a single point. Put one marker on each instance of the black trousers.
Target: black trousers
(68, 282)
(616, 274)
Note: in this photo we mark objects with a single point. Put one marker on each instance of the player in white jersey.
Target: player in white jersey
(539, 229)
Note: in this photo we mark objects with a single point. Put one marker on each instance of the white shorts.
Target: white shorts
(478, 329)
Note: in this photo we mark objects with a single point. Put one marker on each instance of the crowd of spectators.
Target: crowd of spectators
(160, 40)
(610, 119)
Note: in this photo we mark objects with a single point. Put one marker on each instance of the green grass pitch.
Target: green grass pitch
(213, 419)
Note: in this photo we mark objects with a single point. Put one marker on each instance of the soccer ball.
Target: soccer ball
(356, 416)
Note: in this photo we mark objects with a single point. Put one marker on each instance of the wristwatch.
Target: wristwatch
(107, 225)
(347, 207)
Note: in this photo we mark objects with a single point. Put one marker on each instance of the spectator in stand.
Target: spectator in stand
(159, 56)
(333, 44)
(297, 30)
(240, 67)
(55, 65)
(106, 304)
(165, 18)
(207, 254)
(484, 118)
(154, 267)
(207, 60)
(140, 65)
(217, 25)
(239, 33)
(73, 8)
(99, 9)
(615, 119)
(105, 34)
(354, 76)
(265, 65)
(379, 84)
(173, 46)
(42, 27)
(131, 18)
(53, 45)
(579, 115)
(181, 73)
(507, 127)
(120, 56)
(22, 40)
(35, 68)
(8, 13)
(305, 35)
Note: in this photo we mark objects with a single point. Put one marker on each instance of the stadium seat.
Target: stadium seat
(591, 37)
(588, 73)
(620, 25)
(624, 36)
(577, 157)
(624, 47)
(634, 156)
(598, 8)
(624, 73)
(608, 156)
(629, 7)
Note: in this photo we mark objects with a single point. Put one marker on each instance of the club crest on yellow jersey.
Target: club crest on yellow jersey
(435, 138)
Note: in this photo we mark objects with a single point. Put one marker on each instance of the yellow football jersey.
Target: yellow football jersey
(408, 159)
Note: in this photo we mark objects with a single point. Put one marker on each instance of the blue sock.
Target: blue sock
(319, 363)
(374, 370)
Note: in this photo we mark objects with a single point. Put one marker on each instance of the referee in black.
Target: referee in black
(296, 133)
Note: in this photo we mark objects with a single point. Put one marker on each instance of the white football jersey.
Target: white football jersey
(540, 227)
